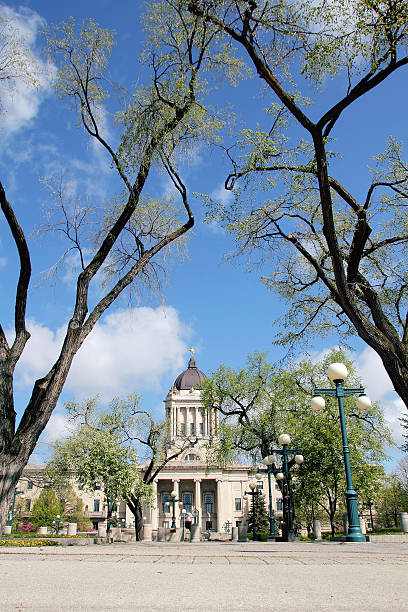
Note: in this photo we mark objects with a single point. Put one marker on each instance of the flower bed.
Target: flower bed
(28, 542)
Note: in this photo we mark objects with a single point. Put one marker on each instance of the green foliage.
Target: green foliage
(99, 451)
(261, 517)
(391, 500)
(29, 543)
(46, 508)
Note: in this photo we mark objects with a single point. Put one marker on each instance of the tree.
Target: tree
(392, 500)
(107, 447)
(46, 508)
(259, 402)
(160, 121)
(337, 258)
(259, 512)
(402, 473)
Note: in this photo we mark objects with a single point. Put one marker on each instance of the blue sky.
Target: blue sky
(219, 308)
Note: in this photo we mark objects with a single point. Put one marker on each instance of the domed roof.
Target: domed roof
(192, 377)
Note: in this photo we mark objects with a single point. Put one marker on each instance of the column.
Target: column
(219, 517)
(197, 500)
(176, 488)
(155, 507)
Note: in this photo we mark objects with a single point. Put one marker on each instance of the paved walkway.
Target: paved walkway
(207, 576)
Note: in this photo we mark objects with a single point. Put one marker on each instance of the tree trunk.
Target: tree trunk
(136, 509)
(11, 471)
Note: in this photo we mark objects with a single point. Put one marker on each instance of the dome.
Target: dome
(192, 377)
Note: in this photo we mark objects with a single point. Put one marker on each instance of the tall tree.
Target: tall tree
(162, 119)
(339, 259)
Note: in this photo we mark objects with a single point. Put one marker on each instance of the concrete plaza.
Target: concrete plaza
(207, 576)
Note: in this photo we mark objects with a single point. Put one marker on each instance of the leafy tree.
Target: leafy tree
(46, 508)
(73, 508)
(391, 500)
(259, 402)
(338, 258)
(402, 473)
(107, 447)
(258, 511)
(159, 124)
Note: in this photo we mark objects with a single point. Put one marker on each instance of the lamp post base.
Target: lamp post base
(354, 533)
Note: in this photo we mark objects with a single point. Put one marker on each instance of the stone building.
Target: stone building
(213, 497)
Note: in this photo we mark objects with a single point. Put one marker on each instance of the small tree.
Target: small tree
(46, 508)
(259, 512)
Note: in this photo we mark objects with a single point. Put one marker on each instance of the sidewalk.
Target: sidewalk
(208, 576)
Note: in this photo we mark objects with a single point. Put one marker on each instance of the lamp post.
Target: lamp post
(12, 507)
(183, 515)
(270, 461)
(57, 524)
(253, 492)
(337, 373)
(173, 500)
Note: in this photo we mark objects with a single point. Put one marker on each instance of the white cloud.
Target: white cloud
(57, 428)
(222, 195)
(130, 350)
(22, 96)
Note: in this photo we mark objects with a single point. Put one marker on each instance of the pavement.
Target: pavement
(209, 576)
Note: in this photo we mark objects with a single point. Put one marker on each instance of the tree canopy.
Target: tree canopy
(336, 257)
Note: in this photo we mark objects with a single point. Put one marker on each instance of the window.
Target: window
(191, 457)
(28, 505)
(259, 484)
(208, 525)
(188, 501)
(97, 486)
(95, 525)
(279, 504)
(183, 429)
(201, 428)
(238, 523)
(165, 502)
(166, 524)
(29, 485)
(96, 505)
(238, 504)
(80, 486)
(208, 502)
(192, 428)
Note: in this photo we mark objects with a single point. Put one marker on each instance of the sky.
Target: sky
(217, 307)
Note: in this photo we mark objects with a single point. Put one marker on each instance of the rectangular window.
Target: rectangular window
(29, 485)
(183, 429)
(28, 505)
(238, 505)
(208, 502)
(188, 502)
(279, 504)
(238, 523)
(208, 525)
(166, 524)
(96, 505)
(201, 428)
(192, 428)
(165, 502)
(259, 484)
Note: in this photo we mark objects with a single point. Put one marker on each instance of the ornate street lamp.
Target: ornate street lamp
(173, 500)
(253, 492)
(271, 468)
(337, 373)
(57, 524)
